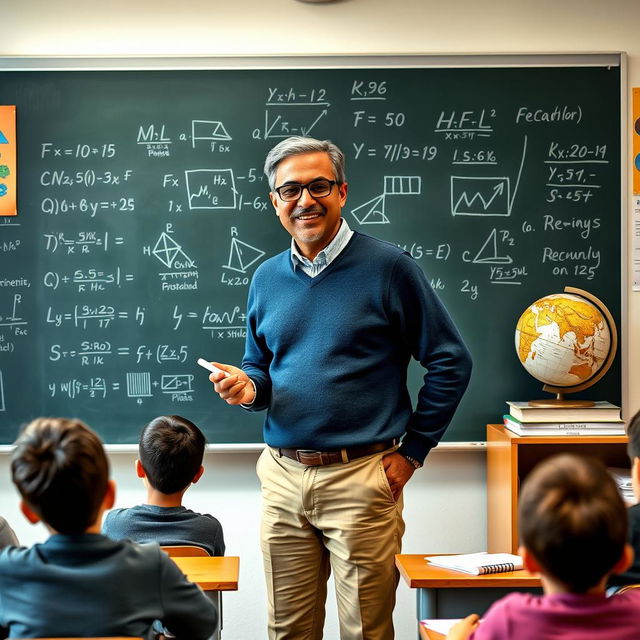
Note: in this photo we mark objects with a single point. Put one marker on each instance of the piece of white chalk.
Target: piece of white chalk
(207, 365)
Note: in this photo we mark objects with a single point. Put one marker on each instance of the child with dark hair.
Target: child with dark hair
(573, 527)
(80, 583)
(632, 574)
(171, 450)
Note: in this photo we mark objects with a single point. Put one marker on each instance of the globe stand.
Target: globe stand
(559, 401)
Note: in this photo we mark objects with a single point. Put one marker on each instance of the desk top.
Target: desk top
(419, 574)
(211, 573)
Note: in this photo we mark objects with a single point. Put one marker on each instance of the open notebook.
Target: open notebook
(478, 563)
(441, 625)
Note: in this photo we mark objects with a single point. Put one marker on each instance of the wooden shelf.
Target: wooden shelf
(510, 458)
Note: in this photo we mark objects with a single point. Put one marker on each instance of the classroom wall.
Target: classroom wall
(445, 502)
(445, 512)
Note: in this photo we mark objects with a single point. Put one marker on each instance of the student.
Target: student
(79, 583)
(632, 574)
(7, 536)
(171, 450)
(573, 527)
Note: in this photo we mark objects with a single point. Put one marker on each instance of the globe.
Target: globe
(566, 340)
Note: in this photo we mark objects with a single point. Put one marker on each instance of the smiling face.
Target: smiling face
(311, 222)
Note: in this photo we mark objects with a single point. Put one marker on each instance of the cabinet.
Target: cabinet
(511, 457)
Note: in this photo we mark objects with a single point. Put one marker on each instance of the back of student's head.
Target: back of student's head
(61, 471)
(633, 432)
(171, 451)
(573, 520)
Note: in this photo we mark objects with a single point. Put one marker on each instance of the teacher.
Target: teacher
(333, 322)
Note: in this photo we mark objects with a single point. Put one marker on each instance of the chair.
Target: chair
(184, 551)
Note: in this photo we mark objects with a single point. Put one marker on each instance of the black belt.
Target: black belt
(314, 458)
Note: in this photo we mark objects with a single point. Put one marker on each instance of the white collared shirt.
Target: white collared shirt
(324, 257)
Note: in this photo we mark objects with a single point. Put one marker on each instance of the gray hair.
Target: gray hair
(296, 145)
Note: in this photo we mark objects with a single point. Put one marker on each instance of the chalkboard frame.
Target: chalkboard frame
(347, 61)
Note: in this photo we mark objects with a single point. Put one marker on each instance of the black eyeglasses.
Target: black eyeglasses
(320, 188)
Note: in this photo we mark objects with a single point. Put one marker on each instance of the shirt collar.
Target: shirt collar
(329, 253)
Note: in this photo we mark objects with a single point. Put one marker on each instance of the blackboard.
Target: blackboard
(143, 212)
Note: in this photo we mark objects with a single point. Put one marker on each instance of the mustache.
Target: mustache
(305, 211)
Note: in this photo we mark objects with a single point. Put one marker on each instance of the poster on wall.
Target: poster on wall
(636, 141)
(8, 161)
(636, 189)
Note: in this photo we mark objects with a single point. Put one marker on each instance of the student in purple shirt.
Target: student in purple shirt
(573, 526)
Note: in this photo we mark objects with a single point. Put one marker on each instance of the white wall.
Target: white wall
(446, 501)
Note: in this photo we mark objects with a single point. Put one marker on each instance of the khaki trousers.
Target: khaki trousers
(315, 520)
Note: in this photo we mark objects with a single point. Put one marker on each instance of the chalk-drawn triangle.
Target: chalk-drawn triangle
(166, 249)
(242, 256)
(3, 138)
(371, 212)
(219, 132)
(488, 253)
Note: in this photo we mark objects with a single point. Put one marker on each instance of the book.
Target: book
(601, 411)
(615, 428)
(622, 478)
(478, 563)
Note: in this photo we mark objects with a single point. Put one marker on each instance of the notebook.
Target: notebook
(441, 625)
(478, 563)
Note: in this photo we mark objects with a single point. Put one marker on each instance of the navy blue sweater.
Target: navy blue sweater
(329, 354)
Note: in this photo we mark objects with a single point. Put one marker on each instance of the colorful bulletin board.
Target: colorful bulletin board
(636, 141)
(8, 161)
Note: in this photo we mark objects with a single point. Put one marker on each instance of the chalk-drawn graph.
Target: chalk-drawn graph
(211, 188)
(285, 119)
(210, 130)
(480, 196)
(485, 195)
(2, 405)
(374, 211)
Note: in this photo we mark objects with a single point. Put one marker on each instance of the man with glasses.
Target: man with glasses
(332, 325)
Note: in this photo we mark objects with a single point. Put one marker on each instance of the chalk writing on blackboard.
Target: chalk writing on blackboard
(144, 214)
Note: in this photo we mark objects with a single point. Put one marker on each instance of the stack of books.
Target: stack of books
(601, 419)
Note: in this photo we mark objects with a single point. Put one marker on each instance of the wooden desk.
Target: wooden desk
(212, 574)
(473, 594)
